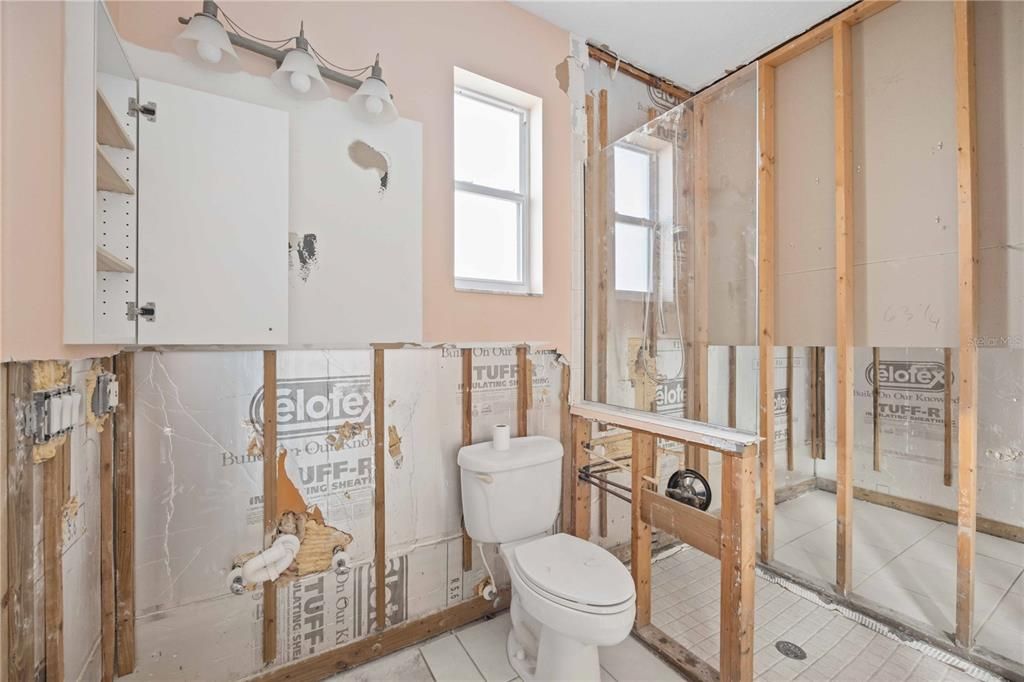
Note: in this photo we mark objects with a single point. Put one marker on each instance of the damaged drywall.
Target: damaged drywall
(368, 158)
(302, 254)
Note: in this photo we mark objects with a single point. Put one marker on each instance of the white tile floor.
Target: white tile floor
(477, 652)
(686, 606)
(908, 564)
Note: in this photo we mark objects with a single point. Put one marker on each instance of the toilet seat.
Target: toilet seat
(575, 574)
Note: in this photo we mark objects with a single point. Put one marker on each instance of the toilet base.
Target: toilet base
(559, 657)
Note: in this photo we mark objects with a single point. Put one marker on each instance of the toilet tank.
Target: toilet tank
(511, 494)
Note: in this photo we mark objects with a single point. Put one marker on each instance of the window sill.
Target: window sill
(464, 289)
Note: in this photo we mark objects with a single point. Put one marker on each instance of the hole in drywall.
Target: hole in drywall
(368, 158)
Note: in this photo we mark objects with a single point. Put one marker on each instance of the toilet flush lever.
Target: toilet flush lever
(486, 478)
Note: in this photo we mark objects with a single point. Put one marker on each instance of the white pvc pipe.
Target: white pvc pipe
(271, 562)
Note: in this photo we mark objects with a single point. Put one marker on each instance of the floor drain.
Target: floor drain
(790, 650)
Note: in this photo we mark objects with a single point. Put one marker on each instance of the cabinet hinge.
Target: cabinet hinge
(148, 109)
(146, 312)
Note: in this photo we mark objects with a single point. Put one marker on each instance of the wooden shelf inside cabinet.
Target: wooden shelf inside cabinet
(109, 130)
(108, 179)
(108, 262)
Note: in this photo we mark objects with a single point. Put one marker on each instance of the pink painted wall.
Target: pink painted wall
(32, 221)
(420, 43)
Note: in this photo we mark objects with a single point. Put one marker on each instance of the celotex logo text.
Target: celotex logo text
(908, 375)
(316, 405)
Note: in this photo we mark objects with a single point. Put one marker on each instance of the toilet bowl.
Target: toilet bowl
(569, 597)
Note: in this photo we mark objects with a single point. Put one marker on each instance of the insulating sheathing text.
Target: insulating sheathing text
(197, 414)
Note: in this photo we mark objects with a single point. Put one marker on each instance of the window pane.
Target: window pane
(486, 144)
(632, 257)
(486, 237)
(632, 182)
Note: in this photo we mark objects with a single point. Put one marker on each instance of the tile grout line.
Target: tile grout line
(1000, 601)
(470, 657)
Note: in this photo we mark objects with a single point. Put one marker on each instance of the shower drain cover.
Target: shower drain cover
(790, 650)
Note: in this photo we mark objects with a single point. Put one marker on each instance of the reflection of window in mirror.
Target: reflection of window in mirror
(637, 215)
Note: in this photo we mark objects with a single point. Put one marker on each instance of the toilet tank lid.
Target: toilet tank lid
(522, 452)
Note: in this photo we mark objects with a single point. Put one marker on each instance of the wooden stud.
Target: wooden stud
(523, 389)
(4, 594)
(679, 657)
(565, 431)
(19, 599)
(701, 272)
(842, 83)
(876, 438)
(581, 505)
(124, 512)
(789, 408)
(640, 538)
(380, 537)
(967, 266)
(377, 645)
(467, 439)
(820, 388)
(737, 567)
(604, 245)
(812, 394)
(947, 420)
(108, 600)
(696, 528)
(591, 240)
(269, 498)
(766, 298)
(53, 571)
(635, 72)
(732, 386)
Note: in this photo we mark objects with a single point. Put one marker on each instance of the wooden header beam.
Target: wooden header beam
(633, 71)
(819, 34)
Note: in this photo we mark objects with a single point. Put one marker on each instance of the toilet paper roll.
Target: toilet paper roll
(500, 436)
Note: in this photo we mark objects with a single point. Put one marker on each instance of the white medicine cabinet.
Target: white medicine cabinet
(175, 204)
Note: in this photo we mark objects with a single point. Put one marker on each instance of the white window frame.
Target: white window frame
(522, 200)
(651, 223)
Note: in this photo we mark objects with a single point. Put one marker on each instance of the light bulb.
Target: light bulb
(209, 53)
(300, 82)
(374, 105)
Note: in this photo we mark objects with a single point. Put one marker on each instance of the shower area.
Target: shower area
(722, 287)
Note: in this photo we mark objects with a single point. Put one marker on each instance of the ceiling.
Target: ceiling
(692, 43)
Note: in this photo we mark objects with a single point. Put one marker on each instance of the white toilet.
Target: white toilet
(569, 596)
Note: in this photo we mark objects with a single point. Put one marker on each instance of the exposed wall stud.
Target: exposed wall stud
(842, 84)
(640, 538)
(967, 266)
(124, 512)
(876, 441)
(108, 600)
(53, 571)
(581, 504)
(380, 537)
(766, 298)
(467, 439)
(269, 498)
(947, 417)
(20, 605)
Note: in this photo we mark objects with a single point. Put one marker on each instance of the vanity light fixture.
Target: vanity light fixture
(301, 69)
